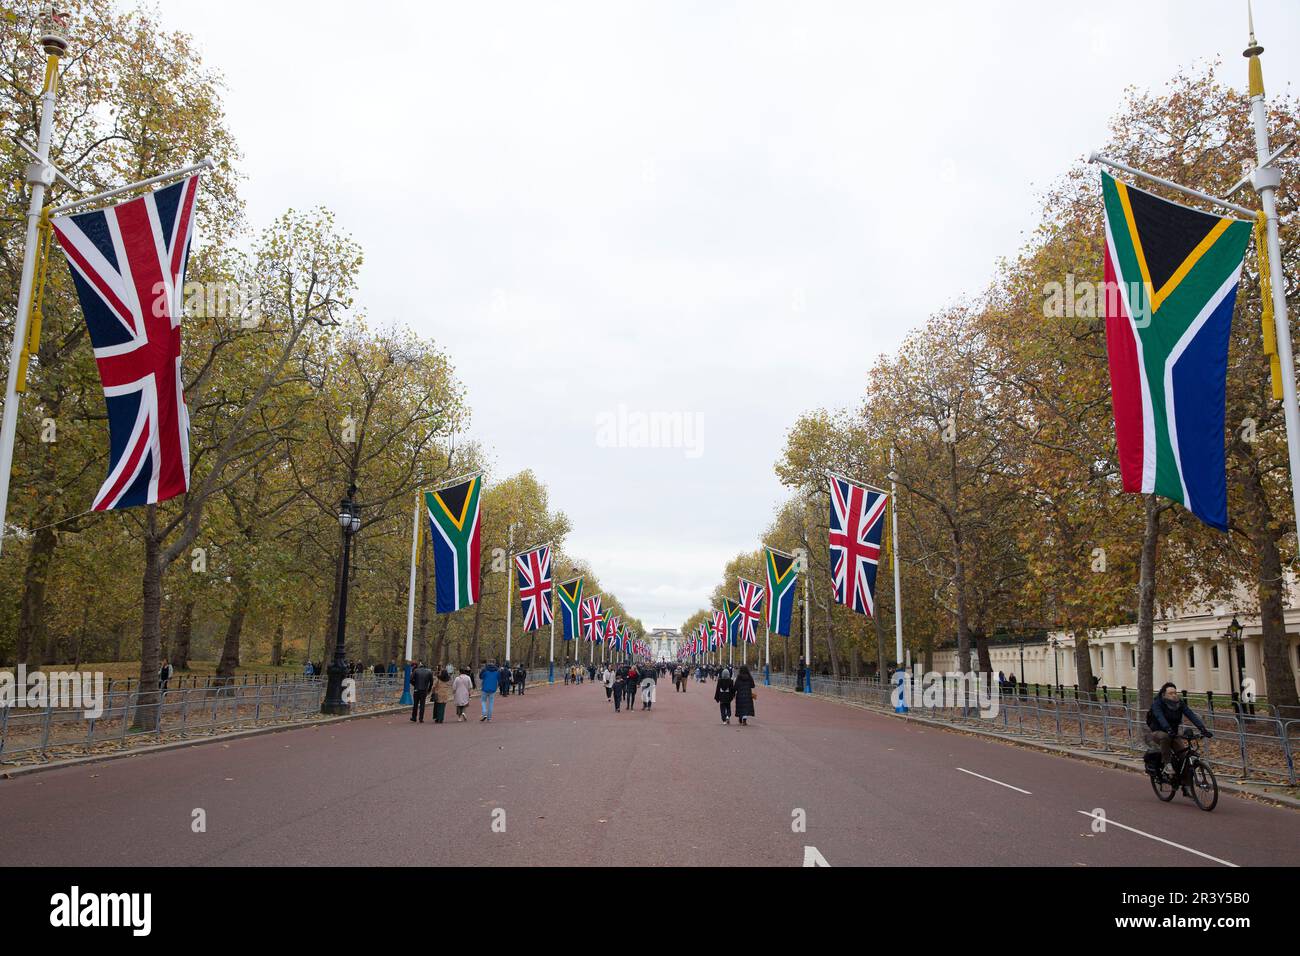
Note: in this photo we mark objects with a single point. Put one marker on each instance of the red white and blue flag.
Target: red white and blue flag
(751, 609)
(128, 267)
(590, 618)
(856, 525)
(534, 569)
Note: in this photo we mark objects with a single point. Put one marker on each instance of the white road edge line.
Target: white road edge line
(1150, 836)
(991, 780)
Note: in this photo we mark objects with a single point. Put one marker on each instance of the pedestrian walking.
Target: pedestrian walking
(442, 695)
(505, 680)
(489, 681)
(521, 676)
(164, 675)
(460, 689)
(723, 694)
(647, 690)
(421, 684)
(745, 694)
(608, 678)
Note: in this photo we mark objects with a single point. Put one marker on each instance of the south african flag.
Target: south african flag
(781, 578)
(570, 602)
(1171, 284)
(453, 518)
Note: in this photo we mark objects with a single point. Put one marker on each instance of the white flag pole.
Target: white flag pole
(898, 589)
(1266, 180)
(410, 604)
(40, 175)
(551, 667)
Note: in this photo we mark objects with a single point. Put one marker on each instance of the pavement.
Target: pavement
(556, 778)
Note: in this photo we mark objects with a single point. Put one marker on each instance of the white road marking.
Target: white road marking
(991, 780)
(1151, 836)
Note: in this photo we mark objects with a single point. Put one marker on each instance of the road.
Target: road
(574, 784)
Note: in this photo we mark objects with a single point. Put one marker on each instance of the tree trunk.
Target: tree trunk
(440, 647)
(234, 628)
(1270, 586)
(1083, 664)
(959, 590)
(830, 641)
(31, 609)
(184, 632)
(277, 645)
(473, 643)
(146, 709)
(982, 651)
(880, 643)
(1147, 602)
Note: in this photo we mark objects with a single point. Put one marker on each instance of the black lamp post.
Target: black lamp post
(1233, 634)
(349, 521)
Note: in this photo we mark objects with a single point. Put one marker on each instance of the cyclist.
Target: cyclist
(1166, 713)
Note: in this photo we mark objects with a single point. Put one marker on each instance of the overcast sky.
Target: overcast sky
(719, 210)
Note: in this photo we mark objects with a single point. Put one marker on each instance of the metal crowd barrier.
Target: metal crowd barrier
(1258, 746)
(178, 713)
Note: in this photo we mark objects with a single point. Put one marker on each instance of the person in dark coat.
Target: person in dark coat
(421, 684)
(1167, 711)
(723, 694)
(744, 695)
(506, 678)
(520, 676)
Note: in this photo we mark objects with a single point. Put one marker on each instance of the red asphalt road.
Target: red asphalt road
(581, 786)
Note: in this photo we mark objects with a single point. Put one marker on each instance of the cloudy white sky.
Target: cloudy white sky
(724, 210)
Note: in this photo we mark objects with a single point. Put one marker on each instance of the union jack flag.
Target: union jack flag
(590, 618)
(856, 526)
(718, 635)
(611, 630)
(751, 609)
(128, 267)
(534, 569)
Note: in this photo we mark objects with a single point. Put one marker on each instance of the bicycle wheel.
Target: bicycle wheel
(1163, 785)
(1205, 789)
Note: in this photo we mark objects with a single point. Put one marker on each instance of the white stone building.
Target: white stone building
(1190, 649)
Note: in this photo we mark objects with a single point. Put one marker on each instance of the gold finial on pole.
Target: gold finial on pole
(1252, 52)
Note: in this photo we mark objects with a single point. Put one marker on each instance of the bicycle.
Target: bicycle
(1188, 772)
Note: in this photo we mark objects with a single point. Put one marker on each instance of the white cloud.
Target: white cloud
(724, 209)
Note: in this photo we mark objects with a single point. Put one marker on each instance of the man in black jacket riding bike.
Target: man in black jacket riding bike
(1166, 713)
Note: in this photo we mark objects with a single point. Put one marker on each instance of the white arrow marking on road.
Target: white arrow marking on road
(813, 857)
(991, 780)
(1151, 836)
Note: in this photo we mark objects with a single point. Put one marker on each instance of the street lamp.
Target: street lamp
(1233, 635)
(349, 516)
(1055, 643)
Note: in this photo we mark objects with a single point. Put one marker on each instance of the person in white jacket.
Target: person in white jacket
(607, 678)
(460, 688)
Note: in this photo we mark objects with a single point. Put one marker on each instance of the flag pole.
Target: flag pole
(39, 175)
(551, 666)
(900, 675)
(807, 630)
(410, 604)
(1266, 180)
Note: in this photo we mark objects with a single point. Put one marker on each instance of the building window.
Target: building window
(1214, 657)
(1169, 652)
(1101, 657)
(1133, 657)
(1241, 657)
(1191, 656)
